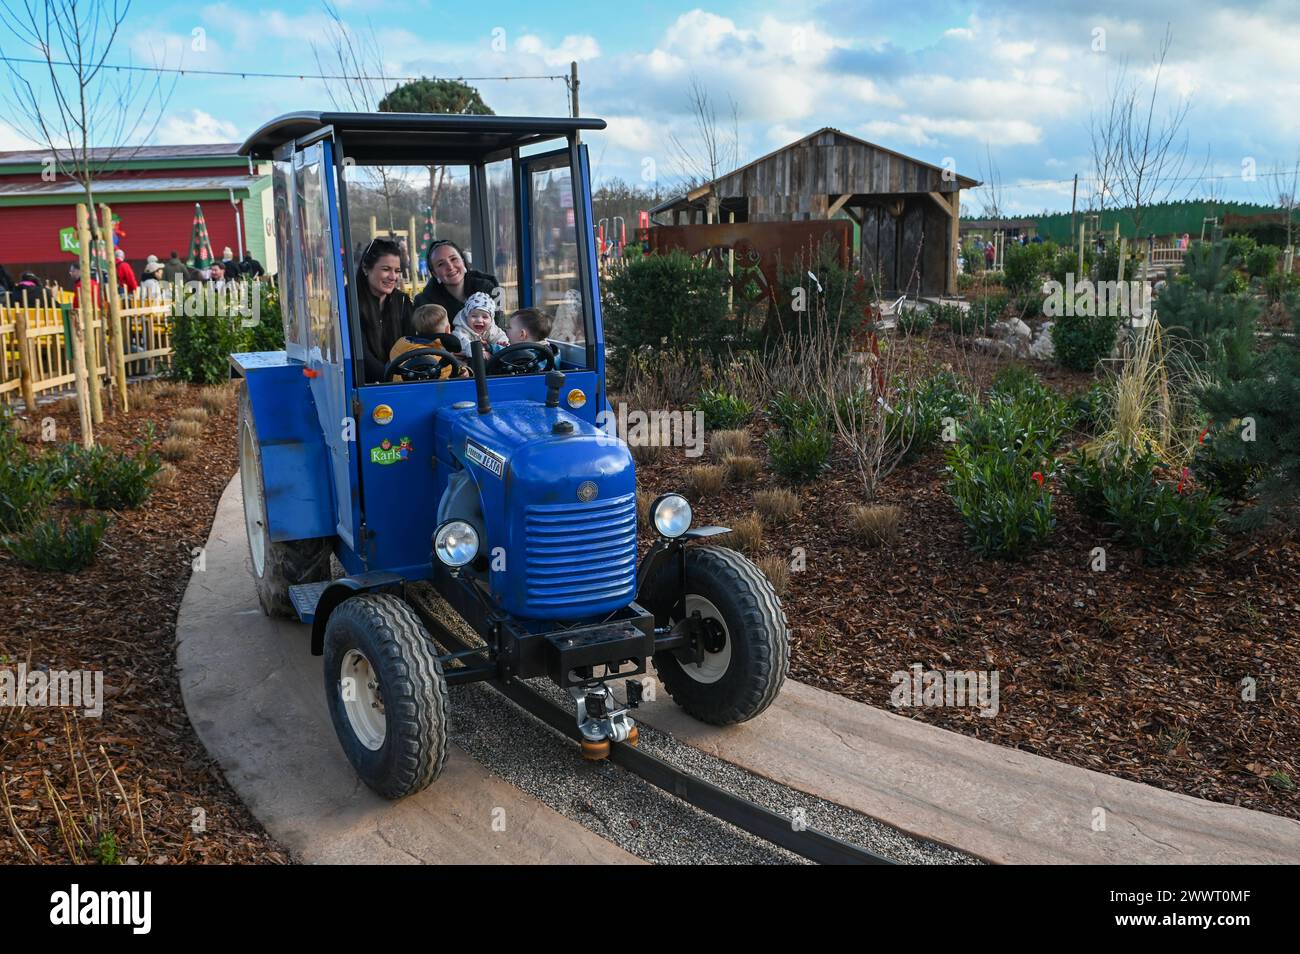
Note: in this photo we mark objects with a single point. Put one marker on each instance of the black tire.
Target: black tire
(386, 631)
(278, 565)
(757, 633)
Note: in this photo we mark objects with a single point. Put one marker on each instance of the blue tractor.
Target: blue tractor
(504, 490)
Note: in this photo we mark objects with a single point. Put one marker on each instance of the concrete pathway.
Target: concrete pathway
(255, 694)
(1001, 804)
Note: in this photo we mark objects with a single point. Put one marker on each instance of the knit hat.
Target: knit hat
(480, 301)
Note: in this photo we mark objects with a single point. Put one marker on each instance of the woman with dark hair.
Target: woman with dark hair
(451, 281)
(385, 309)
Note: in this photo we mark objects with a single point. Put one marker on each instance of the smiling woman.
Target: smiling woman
(385, 308)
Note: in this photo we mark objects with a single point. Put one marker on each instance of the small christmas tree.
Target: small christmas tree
(1262, 407)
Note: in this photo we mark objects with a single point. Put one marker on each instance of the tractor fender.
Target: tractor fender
(665, 549)
(376, 581)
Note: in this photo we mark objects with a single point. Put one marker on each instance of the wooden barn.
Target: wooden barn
(906, 211)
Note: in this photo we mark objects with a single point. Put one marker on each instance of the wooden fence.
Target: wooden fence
(33, 343)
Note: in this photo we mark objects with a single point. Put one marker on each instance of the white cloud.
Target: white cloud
(571, 48)
(197, 127)
(12, 139)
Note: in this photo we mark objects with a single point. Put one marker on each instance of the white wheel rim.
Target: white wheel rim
(250, 481)
(363, 700)
(714, 665)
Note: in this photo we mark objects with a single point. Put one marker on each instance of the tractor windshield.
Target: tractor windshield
(521, 257)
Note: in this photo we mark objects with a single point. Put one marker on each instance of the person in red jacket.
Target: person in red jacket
(74, 273)
(125, 273)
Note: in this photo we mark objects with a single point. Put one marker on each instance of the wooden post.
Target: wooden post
(1123, 249)
(1083, 230)
(25, 366)
(80, 322)
(114, 310)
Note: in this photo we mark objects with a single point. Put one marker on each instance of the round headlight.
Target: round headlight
(455, 543)
(671, 514)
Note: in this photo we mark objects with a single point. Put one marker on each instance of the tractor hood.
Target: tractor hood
(558, 507)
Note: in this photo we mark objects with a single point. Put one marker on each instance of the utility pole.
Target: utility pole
(1074, 198)
(573, 88)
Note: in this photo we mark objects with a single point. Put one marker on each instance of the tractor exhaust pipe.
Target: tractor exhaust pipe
(480, 376)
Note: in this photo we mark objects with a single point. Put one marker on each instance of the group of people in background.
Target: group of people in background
(153, 278)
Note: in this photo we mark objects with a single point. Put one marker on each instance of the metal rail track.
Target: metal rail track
(777, 829)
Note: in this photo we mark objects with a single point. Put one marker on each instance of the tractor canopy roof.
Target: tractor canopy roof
(416, 137)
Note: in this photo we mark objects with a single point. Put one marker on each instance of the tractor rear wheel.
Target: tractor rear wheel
(387, 693)
(747, 643)
(276, 565)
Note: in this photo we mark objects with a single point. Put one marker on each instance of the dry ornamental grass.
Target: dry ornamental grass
(742, 469)
(726, 444)
(777, 571)
(746, 535)
(875, 524)
(705, 480)
(778, 504)
(176, 448)
(193, 414)
(185, 428)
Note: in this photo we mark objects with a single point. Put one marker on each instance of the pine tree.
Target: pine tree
(1264, 406)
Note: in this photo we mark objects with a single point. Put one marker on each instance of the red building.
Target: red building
(152, 191)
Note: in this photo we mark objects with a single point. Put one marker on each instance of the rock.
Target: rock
(994, 346)
(1017, 327)
(1042, 348)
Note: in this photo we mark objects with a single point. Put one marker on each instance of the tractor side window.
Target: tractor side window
(557, 282)
(316, 261)
(290, 278)
(502, 240)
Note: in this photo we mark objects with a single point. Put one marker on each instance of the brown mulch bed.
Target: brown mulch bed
(1136, 671)
(119, 616)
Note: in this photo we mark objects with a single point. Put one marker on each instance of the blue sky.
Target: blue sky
(1010, 85)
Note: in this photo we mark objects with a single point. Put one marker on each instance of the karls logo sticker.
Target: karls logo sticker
(389, 453)
(489, 460)
(382, 414)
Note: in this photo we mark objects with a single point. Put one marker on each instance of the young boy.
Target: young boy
(528, 324)
(427, 321)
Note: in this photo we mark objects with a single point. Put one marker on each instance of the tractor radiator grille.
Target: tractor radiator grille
(581, 554)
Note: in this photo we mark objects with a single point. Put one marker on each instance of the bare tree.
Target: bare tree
(89, 114)
(1152, 150)
(713, 149)
(991, 192)
(355, 57)
(1105, 137)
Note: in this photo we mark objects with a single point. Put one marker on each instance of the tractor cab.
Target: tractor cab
(501, 490)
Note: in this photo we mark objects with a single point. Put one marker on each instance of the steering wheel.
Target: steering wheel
(522, 358)
(422, 364)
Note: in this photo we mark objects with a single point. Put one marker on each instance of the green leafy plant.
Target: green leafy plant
(723, 411)
(104, 479)
(800, 452)
(914, 420)
(668, 301)
(785, 409)
(28, 484)
(1028, 422)
(202, 345)
(65, 546)
(1080, 341)
(1169, 518)
(913, 320)
(1221, 463)
(1002, 500)
(1090, 408)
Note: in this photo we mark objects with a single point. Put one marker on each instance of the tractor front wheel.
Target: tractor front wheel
(746, 641)
(276, 564)
(387, 693)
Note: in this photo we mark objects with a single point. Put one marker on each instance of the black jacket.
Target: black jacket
(380, 328)
(435, 293)
(251, 267)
